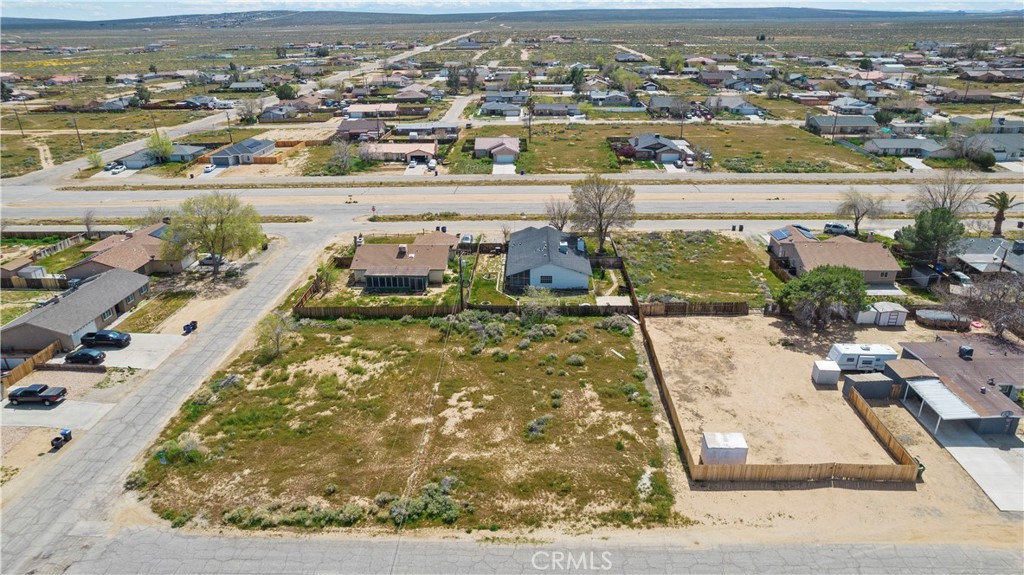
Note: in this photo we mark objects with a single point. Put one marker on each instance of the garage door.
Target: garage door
(76, 338)
(504, 159)
(669, 158)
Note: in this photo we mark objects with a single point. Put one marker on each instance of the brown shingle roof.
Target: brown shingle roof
(436, 238)
(15, 264)
(386, 256)
(846, 251)
(128, 253)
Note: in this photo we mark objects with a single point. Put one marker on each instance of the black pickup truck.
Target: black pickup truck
(38, 393)
(106, 337)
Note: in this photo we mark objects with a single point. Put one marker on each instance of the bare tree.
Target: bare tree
(89, 220)
(249, 109)
(341, 158)
(558, 212)
(997, 297)
(774, 89)
(366, 152)
(272, 332)
(600, 205)
(859, 206)
(952, 190)
(506, 231)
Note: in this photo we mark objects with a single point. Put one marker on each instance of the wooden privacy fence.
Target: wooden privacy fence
(805, 472)
(42, 356)
(50, 283)
(885, 437)
(59, 246)
(375, 312)
(695, 308)
(278, 158)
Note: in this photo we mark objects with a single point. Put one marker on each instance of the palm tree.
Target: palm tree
(1000, 202)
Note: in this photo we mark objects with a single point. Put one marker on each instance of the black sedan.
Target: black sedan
(86, 355)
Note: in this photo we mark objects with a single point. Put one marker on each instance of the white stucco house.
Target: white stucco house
(546, 258)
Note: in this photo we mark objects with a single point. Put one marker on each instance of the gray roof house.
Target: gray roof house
(732, 104)
(655, 147)
(508, 96)
(499, 109)
(556, 110)
(546, 258)
(95, 304)
(116, 105)
(1005, 147)
(917, 147)
(610, 98)
(841, 124)
(255, 86)
(243, 152)
(987, 255)
(183, 153)
(852, 106)
(279, 113)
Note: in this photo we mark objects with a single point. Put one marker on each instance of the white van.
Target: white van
(432, 165)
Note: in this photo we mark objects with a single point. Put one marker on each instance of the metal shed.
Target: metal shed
(825, 372)
(890, 314)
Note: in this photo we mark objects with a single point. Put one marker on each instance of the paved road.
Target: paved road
(454, 114)
(369, 67)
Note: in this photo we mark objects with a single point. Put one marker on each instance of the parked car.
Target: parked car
(837, 229)
(432, 165)
(209, 168)
(111, 166)
(413, 164)
(39, 393)
(211, 260)
(466, 239)
(960, 279)
(118, 169)
(106, 337)
(85, 355)
(679, 163)
(689, 160)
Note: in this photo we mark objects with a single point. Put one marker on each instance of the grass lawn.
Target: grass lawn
(15, 303)
(152, 313)
(375, 423)
(775, 149)
(485, 282)
(54, 263)
(782, 108)
(697, 266)
(17, 157)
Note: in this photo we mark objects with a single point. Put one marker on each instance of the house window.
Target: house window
(884, 274)
(130, 298)
(107, 314)
(144, 290)
(546, 279)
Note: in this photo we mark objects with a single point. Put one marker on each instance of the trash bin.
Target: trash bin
(444, 229)
(66, 434)
(920, 469)
(734, 227)
(741, 227)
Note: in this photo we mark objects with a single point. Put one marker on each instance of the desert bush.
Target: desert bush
(541, 331)
(640, 374)
(575, 360)
(535, 429)
(619, 324)
(500, 355)
(523, 344)
(576, 336)
(136, 480)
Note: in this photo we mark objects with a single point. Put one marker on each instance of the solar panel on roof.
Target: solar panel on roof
(807, 234)
(781, 234)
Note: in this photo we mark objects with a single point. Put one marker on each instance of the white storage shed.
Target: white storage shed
(866, 316)
(825, 372)
(890, 314)
(723, 448)
(861, 356)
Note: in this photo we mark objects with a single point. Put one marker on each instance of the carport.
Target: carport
(946, 404)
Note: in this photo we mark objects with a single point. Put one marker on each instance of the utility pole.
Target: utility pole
(74, 121)
(18, 118)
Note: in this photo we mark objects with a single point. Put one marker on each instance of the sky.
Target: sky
(103, 10)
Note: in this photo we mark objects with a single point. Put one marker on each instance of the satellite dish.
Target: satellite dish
(1007, 413)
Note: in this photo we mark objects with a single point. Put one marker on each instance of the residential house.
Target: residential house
(95, 304)
(966, 95)
(907, 128)
(372, 110)
(873, 76)
(852, 107)
(897, 84)
(440, 131)
(438, 238)
(989, 255)
(872, 259)
(418, 151)
(671, 105)
(116, 105)
(182, 153)
(556, 89)
(140, 251)
(200, 101)
(279, 113)
(499, 109)
(243, 152)
(841, 124)
(655, 147)
(731, 104)
(713, 79)
(782, 240)
(758, 77)
(399, 268)
(904, 147)
(624, 57)
(983, 75)
(253, 86)
(613, 98)
(546, 258)
(308, 71)
(813, 98)
(409, 96)
(303, 104)
(503, 149)
(508, 96)
(995, 126)
(556, 110)
(953, 389)
(362, 130)
(1005, 147)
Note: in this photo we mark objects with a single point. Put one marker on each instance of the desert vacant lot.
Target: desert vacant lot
(367, 423)
(753, 375)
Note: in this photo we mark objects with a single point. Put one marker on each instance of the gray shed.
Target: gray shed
(890, 314)
(868, 385)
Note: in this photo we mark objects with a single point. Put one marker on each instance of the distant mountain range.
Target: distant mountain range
(284, 18)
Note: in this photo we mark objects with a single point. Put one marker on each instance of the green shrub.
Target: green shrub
(576, 360)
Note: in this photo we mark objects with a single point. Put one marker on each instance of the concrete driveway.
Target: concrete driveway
(147, 351)
(213, 174)
(1017, 166)
(916, 163)
(504, 169)
(417, 170)
(70, 414)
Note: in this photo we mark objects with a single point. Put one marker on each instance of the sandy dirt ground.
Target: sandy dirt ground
(947, 507)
